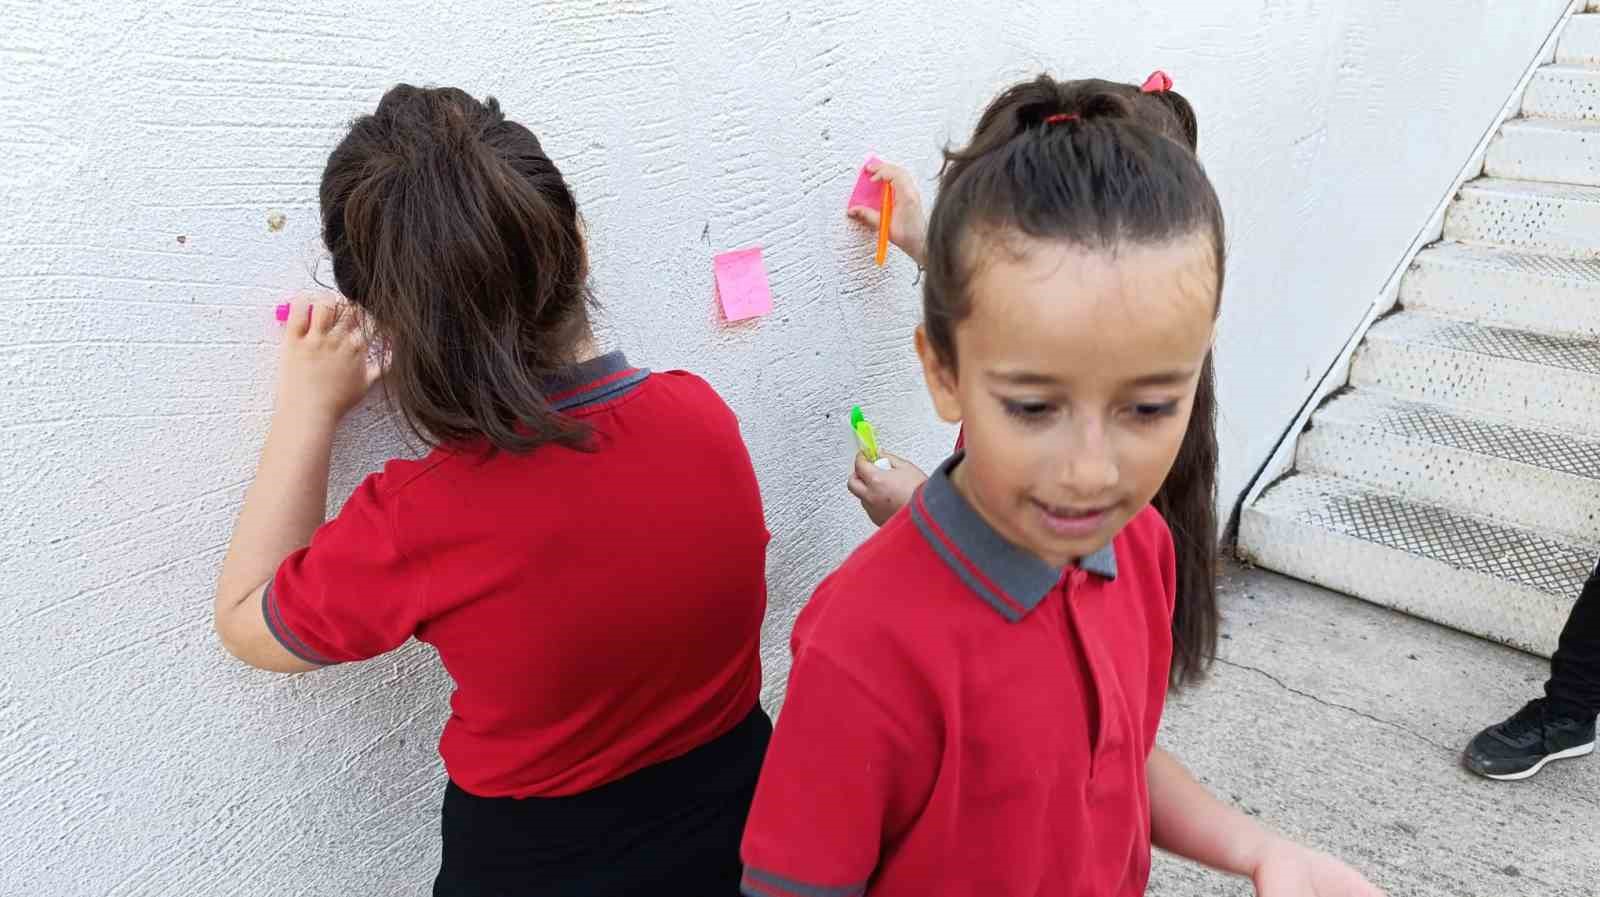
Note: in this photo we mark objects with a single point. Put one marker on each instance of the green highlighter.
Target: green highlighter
(866, 440)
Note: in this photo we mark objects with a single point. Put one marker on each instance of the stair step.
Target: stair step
(1545, 149)
(1540, 380)
(1557, 219)
(1580, 41)
(1540, 293)
(1511, 585)
(1522, 476)
(1563, 91)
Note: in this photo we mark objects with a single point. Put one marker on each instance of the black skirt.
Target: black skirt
(669, 829)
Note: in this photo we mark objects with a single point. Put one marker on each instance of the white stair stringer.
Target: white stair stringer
(1499, 582)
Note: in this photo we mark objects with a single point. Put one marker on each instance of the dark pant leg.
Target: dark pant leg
(1575, 669)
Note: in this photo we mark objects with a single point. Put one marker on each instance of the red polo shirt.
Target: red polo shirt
(599, 611)
(964, 719)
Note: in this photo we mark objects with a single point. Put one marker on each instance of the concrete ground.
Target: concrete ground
(1341, 724)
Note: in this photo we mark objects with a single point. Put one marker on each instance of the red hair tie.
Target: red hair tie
(1060, 117)
(1158, 82)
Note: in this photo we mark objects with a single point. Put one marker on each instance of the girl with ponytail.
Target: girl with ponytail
(604, 735)
(1187, 497)
(975, 694)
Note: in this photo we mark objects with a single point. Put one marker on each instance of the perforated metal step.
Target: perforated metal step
(1492, 469)
(1544, 350)
(1563, 91)
(1505, 583)
(1547, 381)
(1542, 149)
(1554, 219)
(1502, 287)
(1580, 42)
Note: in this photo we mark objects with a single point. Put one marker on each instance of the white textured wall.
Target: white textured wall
(147, 145)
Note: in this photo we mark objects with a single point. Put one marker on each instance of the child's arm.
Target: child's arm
(883, 492)
(1189, 821)
(324, 373)
(843, 773)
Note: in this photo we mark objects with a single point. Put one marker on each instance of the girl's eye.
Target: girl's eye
(1028, 411)
(1025, 409)
(1153, 411)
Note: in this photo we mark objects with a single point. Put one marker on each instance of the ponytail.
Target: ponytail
(1187, 500)
(459, 237)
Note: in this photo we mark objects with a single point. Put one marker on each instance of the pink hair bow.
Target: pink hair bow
(1158, 82)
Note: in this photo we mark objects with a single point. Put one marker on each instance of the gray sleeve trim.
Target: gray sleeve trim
(760, 883)
(280, 631)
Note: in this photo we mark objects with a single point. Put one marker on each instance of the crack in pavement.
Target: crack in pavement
(1334, 704)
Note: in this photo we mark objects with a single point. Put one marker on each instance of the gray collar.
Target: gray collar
(1009, 579)
(590, 382)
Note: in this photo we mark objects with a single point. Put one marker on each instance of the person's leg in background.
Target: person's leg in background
(1574, 684)
(1561, 725)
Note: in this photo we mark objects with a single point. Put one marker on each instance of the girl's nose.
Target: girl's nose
(1089, 468)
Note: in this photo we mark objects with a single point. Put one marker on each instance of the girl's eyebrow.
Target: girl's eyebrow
(1174, 377)
(1024, 378)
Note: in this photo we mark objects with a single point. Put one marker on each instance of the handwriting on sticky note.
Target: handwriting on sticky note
(742, 284)
(867, 193)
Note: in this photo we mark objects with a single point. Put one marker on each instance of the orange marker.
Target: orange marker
(884, 215)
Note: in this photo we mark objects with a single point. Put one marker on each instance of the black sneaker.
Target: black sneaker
(1521, 746)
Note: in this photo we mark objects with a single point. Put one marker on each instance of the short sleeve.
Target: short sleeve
(839, 779)
(350, 594)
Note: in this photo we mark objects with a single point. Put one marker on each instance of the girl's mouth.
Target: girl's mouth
(1072, 523)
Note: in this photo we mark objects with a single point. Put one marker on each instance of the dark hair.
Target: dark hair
(1097, 164)
(456, 234)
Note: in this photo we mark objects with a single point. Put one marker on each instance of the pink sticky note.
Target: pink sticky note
(742, 284)
(867, 193)
(282, 313)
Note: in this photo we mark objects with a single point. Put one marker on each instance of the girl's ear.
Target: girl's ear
(941, 380)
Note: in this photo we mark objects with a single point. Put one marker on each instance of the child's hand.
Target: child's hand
(883, 492)
(325, 370)
(1288, 869)
(908, 229)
